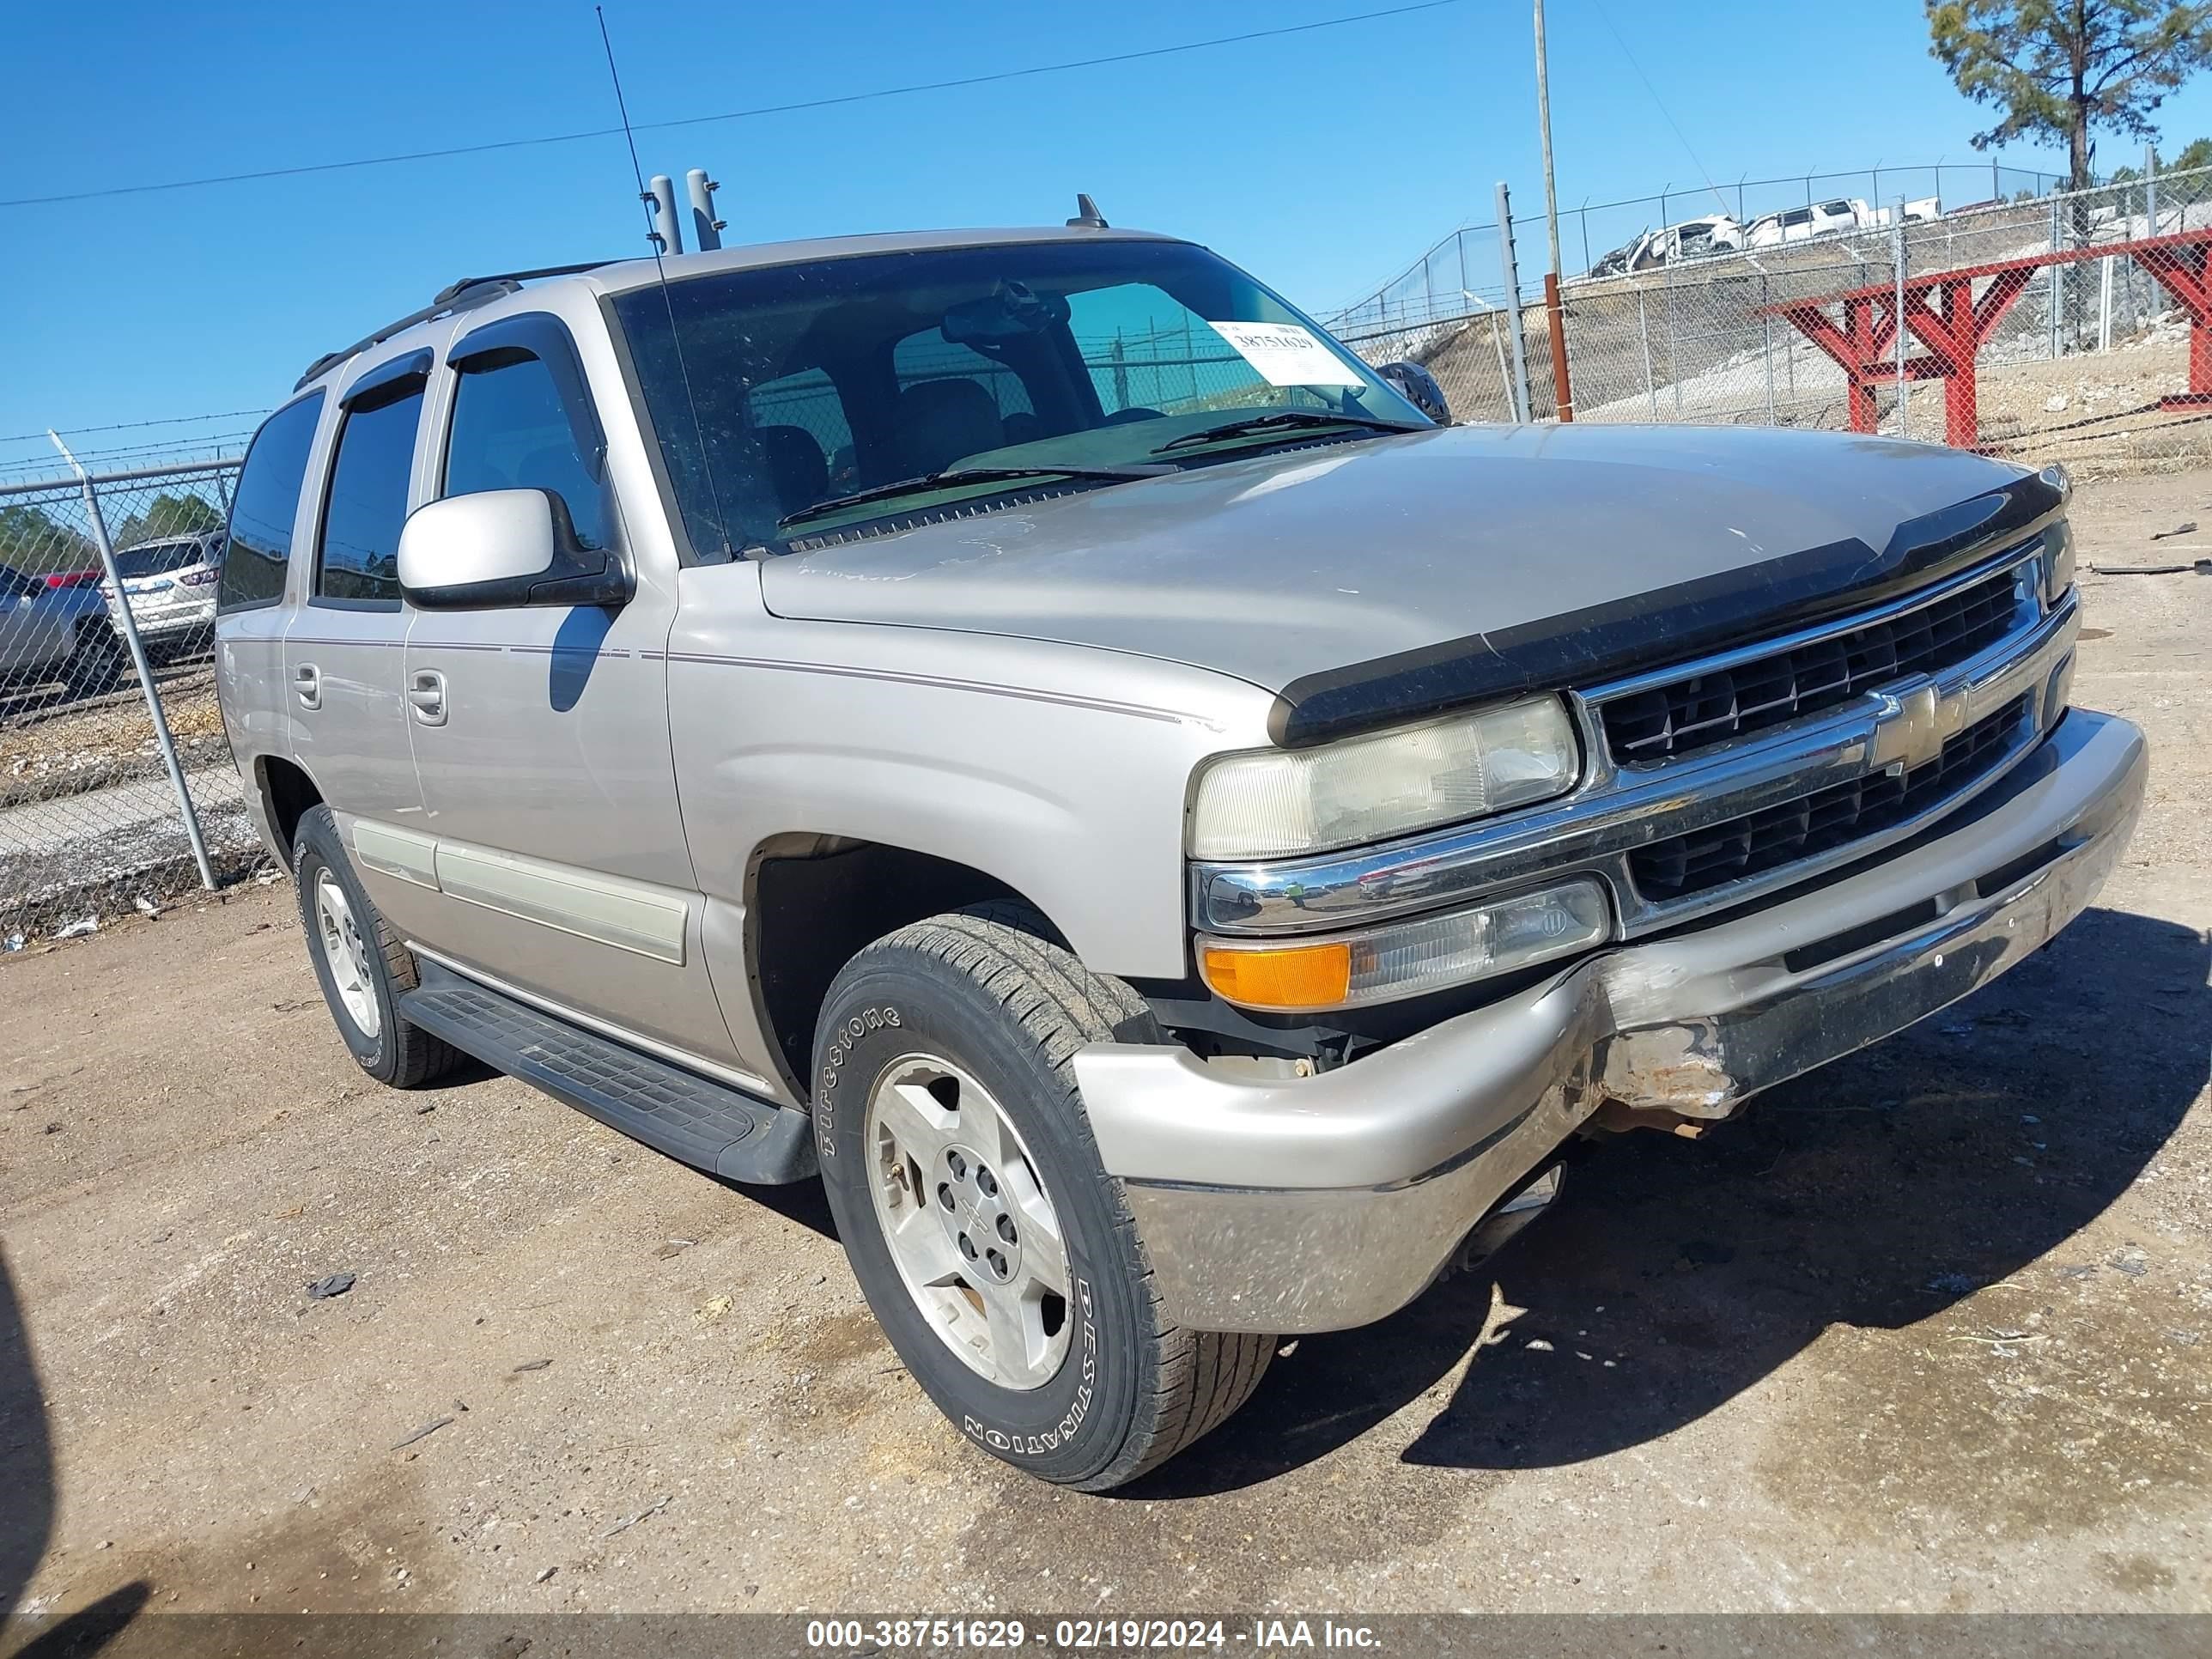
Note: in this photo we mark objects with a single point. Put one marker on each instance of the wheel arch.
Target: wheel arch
(813, 901)
(287, 795)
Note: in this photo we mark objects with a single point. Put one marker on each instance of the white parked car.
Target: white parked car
(1830, 218)
(171, 585)
(1803, 224)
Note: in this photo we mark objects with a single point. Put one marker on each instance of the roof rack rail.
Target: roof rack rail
(454, 290)
(455, 296)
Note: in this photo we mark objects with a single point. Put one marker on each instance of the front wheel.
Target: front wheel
(999, 1256)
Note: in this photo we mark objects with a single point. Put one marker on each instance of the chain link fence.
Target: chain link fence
(2082, 364)
(1462, 273)
(116, 780)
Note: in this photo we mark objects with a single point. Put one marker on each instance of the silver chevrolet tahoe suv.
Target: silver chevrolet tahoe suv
(1025, 728)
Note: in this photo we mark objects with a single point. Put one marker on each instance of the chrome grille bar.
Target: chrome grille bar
(1671, 712)
(1616, 810)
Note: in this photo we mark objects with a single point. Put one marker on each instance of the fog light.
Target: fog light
(1408, 958)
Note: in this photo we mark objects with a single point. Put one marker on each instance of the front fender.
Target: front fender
(1063, 773)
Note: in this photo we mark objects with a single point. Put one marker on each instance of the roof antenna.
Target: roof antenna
(653, 234)
(1087, 215)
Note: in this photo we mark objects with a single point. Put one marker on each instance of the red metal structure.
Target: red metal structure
(1944, 315)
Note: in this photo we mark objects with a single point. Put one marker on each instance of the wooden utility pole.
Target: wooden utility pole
(1555, 318)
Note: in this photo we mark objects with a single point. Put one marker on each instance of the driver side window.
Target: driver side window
(510, 432)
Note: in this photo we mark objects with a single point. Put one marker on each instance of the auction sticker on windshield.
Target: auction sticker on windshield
(1286, 354)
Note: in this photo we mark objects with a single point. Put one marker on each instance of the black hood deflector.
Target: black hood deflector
(1690, 619)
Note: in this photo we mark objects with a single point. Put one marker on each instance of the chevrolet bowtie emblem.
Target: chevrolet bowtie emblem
(1913, 723)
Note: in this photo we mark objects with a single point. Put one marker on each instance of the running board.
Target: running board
(700, 1121)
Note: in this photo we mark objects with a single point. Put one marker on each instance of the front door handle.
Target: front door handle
(427, 692)
(307, 682)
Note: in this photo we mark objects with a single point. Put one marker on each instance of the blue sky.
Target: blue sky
(1324, 161)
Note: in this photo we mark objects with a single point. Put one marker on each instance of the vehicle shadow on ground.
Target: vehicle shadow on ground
(802, 1202)
(27, 1463)
(27, 1512)
(1875, 1192)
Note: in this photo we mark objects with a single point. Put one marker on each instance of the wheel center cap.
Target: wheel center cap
(971, 1206)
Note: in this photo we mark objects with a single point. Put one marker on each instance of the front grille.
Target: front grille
(1826, 818)
(1710, 708)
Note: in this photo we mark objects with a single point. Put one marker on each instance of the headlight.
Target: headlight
(1406, 958)
(1279, 803)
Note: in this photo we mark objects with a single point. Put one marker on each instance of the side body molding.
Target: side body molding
(629, 915)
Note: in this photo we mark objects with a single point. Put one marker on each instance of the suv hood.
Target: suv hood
(1454, 564)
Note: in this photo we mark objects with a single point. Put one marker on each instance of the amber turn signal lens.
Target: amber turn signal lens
(1285, 978)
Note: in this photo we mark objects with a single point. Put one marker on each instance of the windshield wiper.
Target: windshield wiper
(1282, 419)
(961, 475)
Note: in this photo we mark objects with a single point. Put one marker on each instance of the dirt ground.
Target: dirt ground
(1929, 1330)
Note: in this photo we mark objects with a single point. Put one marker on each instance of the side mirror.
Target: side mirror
(503, 548)
(1420, 388)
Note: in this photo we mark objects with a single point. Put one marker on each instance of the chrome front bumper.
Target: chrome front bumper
(1314, 1203)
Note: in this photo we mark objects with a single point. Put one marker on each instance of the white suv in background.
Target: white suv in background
(171, 585)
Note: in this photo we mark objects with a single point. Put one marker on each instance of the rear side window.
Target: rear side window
(367, 502)
(510, 431)
(267, 503)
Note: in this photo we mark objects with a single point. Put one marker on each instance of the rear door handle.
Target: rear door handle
(307, 681)
(427, 692)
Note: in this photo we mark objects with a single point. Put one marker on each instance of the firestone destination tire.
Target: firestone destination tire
(999, 1256)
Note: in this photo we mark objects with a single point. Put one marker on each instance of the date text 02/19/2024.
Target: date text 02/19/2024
(1260, 1636)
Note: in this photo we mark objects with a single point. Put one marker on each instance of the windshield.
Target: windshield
(826, 380)
(159, 558)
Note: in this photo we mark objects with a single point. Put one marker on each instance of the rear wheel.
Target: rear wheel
(997, 1254)
(98, 663)
(363, 966)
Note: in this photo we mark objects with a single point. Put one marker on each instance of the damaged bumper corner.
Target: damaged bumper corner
(1321, 1203)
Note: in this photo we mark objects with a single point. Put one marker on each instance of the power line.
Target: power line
(730, 115)
(1662, 103)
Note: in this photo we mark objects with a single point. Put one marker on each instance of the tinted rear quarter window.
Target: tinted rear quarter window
(368, 503)
(267, 505)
